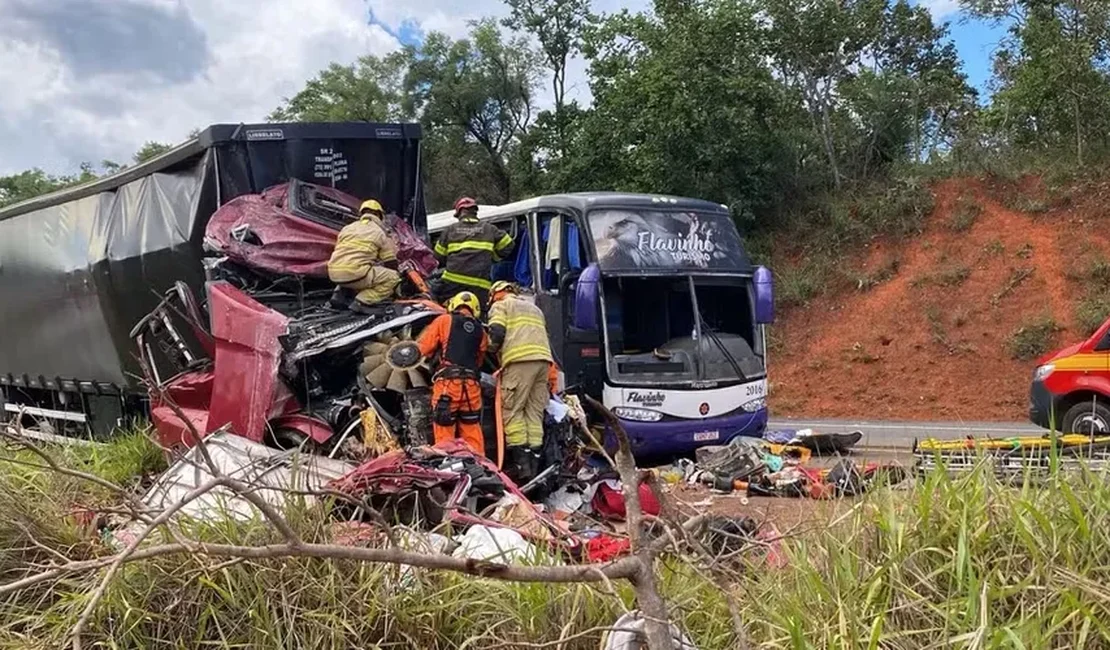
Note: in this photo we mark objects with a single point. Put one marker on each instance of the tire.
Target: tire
(1088, 418)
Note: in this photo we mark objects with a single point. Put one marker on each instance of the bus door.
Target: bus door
(561, 256)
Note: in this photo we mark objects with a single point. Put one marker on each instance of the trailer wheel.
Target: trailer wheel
(1088, 418)
(286, 438)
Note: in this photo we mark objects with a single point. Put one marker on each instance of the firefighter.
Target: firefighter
(467, 250)
(456, 393)
(528, 375)
(364, 262)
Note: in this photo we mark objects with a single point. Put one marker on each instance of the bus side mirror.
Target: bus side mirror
(764, 296)
(586, 299)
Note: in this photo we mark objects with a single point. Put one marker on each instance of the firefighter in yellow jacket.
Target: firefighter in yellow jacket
(364, 262)
(518, 332)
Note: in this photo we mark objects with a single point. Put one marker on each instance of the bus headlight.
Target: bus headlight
(755, 405)
(1043, 371)
(638, 415)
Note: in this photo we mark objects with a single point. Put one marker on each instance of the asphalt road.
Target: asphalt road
(901, 435)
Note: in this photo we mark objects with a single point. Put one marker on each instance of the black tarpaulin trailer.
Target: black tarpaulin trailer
(80, 267)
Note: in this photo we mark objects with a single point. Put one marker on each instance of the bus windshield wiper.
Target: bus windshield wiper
(707, 329)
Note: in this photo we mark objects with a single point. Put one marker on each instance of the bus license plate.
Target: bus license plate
(703, 436)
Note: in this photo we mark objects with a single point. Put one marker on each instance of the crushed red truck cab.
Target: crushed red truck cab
(266, 357)
(1071, 387)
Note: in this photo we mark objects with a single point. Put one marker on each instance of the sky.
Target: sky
(89, 80)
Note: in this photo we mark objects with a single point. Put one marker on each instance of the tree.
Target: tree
(879, 81)
(149, 150)
(481, 89)
(368, 90)
(1051, 77)
(685, 103)
(911, 97)
(559, 26)
(473, 96)
(35, 182)
(26, 185)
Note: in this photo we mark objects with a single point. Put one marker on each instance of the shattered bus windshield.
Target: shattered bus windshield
(662, 240)
(682, 330)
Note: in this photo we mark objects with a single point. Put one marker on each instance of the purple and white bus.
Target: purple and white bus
(653, 306)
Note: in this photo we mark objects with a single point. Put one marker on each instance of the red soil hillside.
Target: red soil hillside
(930, 343)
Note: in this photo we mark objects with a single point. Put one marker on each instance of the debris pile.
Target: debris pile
(779, 466)
(440, 489)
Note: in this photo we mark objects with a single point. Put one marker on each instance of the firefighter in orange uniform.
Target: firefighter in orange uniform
(461, 341)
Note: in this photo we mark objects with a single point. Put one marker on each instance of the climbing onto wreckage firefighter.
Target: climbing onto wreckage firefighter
(364, 263)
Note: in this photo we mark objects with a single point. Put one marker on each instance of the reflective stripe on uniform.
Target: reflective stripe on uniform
(502, 319)
(349, 267)
(503, 243)
(526, 352)
(470, 245)
(440, 249)
(383, 252)
(458, 278)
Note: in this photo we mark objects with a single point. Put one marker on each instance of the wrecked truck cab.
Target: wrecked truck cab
(284, 367)
(276, 378)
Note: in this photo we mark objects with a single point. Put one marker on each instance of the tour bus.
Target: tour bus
(652, 305)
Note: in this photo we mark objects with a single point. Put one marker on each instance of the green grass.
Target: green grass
(1094, 306)
(994, 248)
(824, 232)
(797, 285)
(1033, 338)
(1027, 204)
(949, 562)
(966, 214)
(1091, 312)
(885, 272)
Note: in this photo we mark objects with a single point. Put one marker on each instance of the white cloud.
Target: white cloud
(941, 9)
(258, 51)
(140, 70)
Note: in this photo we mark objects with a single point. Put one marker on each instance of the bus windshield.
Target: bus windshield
(631, 240)
(681, 330)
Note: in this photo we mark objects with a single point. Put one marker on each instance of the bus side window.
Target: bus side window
(506, 269)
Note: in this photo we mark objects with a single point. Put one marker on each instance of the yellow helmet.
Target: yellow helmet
(370, 205)
(500, 289)
(465, 299)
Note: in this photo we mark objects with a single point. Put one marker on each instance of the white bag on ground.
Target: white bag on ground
(628, 634)
(500, 545)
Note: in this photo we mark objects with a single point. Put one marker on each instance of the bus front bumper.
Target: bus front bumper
(679, 437)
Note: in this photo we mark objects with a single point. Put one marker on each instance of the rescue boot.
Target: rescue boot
(341, 298)
(537, 461)
(518, 460)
